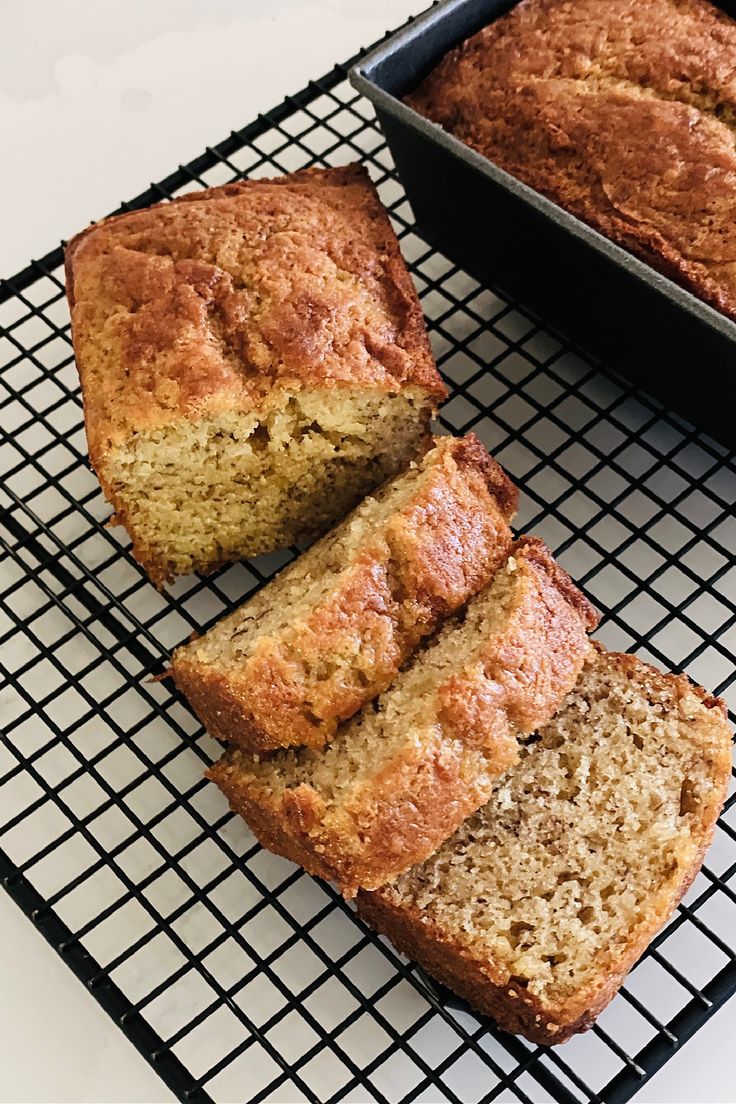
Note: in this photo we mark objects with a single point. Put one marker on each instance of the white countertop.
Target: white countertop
(97, 98)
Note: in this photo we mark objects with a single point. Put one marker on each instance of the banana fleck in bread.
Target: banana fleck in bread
(622, 112)
(400, 777)
(253, 360)
(539, 905)
(333, 630)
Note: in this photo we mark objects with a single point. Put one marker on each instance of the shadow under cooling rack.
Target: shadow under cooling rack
(236, 975)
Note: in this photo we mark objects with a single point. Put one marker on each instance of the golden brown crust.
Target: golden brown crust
(414, 804)
(677, 682)
(421, 565)
(221, 299)
(535, 551)
(621, 112)
(418, 796)
(519, 680)
(482, 981)
(470, 452)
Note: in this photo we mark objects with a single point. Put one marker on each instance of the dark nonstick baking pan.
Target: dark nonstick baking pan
(659, 335)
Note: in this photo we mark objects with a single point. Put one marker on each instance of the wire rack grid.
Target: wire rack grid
(236, 975)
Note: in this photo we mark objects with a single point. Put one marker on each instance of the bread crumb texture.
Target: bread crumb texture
(402, 775)
(253, 360)
(621, 111)
(333, 630)
(542, 901)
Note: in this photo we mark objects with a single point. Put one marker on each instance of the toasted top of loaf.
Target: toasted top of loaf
(554, 888)
(333, 629)
(213, 301)
(622, 111)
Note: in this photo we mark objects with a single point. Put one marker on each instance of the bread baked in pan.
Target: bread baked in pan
(620, 111)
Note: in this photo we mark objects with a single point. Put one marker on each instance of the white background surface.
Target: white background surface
(98, 98)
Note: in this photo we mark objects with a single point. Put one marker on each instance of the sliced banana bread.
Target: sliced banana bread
(539, 905)
(400, 777)
(253, 361)
(332, 631)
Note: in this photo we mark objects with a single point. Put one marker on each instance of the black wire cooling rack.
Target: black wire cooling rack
(236, 975)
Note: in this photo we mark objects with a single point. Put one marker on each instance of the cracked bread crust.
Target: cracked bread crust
(216, 300)
(455, 958)
(622, 112)
(407, 573)
(432, 746)
(253, 361)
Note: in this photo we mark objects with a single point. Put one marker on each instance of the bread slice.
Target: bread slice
(400, 777)
(332, 631)
(539, 905)
(253, 361)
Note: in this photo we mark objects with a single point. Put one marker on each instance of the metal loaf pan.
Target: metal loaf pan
(660, 336)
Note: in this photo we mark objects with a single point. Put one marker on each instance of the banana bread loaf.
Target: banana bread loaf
(400, 777)
(253, 361)
(539, 905)
(333, 630)
(622, 112)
